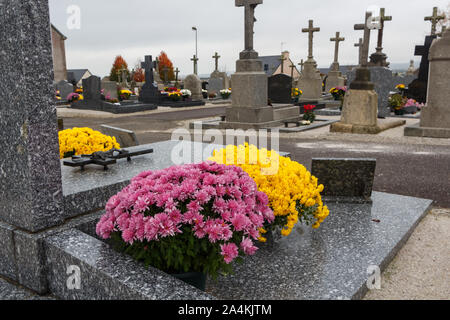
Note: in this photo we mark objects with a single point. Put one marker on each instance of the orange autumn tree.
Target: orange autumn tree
(164, 61)
(139, 75)
(119, 64)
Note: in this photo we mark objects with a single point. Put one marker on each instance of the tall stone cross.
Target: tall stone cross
(156, 65)
(435, 18)
(337, 39)
(147, 65)
(366, 39)
(177, 71)
(360, 46)
(195, 59)
(310, 30)
(166, 73)
(216, 57)
(250, 20)
(301, 64)
(382, 18)
(282, 59)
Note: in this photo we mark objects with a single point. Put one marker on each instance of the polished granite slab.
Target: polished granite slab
(330, 262)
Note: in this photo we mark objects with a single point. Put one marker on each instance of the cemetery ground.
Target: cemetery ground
(409, 166)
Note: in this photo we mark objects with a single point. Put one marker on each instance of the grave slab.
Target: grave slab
(330, 262)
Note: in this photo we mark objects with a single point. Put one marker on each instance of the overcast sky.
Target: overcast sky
(135, 28)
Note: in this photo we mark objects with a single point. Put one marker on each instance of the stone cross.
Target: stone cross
(282, 59)
(250, 20)
(148, 67)
(301, 64)
(166, 73)
(195, 59)
(156, 65)
(177, 71)
(360, 45)
(310, 30)
(366, 41)
(382, 18)
(337, 39)
(435, 18)
(216, 57)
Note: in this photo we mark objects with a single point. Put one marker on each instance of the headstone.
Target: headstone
(149, 92)
(65, 88)
(310, 81)
(125, 138)
(379, 58)
(435, 116)
(215, 85)
(193, 83)
(92, 88)
(109, 88)
(417, 89)
(280, 86)
(345, 179)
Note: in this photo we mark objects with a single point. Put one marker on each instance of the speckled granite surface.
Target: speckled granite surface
(106, 274)
(331, 262)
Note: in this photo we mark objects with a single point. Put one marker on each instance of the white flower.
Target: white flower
(225, 91)
(186, 92)
(305, 122)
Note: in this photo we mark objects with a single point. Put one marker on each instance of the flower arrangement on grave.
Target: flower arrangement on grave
(225, 93)
(170, 89)
(186, 93)
(175, 95)
(413, 103)
(124, 94)
(188, 218)
(401, 88)
(309, 113)
(293, 193)
(212, 95)
(397, 101)
(78, 141)
(58, 95)
(338, 93)
(296, 93)
(79, 90)
(72, 97)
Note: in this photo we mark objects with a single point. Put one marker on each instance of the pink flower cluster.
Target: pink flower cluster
(216, 201)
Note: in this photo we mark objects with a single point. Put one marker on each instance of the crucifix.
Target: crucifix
(282, 59)
(360, 45)
(216, 57)
(301, 64)
(337, 39)
(177, 71)
(435, 18)
(250, 20)
(382, 18)
(195, 59)
(366, 41)
(148, 67)
(310, 30)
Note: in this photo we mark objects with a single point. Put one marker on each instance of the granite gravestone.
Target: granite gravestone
(92, 89)
(65, 88)
(280, 88)
(417, 89)
(109, 89)
(149, 92)
(215, 85)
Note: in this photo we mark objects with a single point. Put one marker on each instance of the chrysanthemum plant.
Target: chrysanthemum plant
(190, 218)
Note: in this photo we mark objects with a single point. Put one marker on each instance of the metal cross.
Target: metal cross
(337, 39)
(216, 57)
(366, 41)
(434, 20)
(195, 59)
(360, 45)
(310, 30)
(250, 20)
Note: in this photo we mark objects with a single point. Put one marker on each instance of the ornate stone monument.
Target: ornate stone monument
(379, 58)
(434, 19)
(335, 78)
(250, 107)
(435, 116)
(359, 113)
(310, 81)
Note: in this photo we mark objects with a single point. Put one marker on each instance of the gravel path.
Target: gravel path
(421, 269)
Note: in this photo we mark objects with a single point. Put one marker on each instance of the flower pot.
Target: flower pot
(195, 279)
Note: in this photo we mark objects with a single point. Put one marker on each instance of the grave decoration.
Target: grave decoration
(296, 94)
(79, 90)
(338, 94)
(225, 93)
(124, 94)
(309, 113)
(78, 141)
(72, 97)
(103, 158)
(58, 95)
(108, 98)
(293, 193)
(401, 105)
(195, 218)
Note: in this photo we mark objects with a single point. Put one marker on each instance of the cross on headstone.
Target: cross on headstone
(310, 30)
(166, 74)
(250, 20)
(282, 59)
(147, 65)
(366, 39)
(195, 59)
(382, 19)
(177, 71)
(337, 39)
(216, 58)
(301, 64)
(435, 18)
(156, 65)
(360, 46)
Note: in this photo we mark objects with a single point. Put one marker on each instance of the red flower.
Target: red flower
(309, 108)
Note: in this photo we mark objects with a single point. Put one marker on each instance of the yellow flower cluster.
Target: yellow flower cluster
(400, 86)
(294, 194)
(296, 92)
(78, 141)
